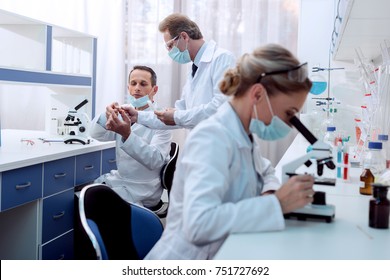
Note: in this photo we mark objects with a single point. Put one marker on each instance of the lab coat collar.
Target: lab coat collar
(208, 52)
(235, 128)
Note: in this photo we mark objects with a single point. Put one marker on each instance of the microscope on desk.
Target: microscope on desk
(78, 124)
(321, 153)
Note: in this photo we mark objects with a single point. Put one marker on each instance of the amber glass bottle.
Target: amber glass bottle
(366, 178)
(379, 207)
(374, 164)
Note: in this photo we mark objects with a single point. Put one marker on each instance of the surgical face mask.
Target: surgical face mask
(178, 56)
(140, 102)
(277, 129)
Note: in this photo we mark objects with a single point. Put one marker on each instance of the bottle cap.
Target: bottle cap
(375, 145)
(331, 128)
(383, 137)
(380, 185)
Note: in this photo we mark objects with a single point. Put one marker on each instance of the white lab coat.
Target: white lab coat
(139, 160)
(216, 191)
(201, 96)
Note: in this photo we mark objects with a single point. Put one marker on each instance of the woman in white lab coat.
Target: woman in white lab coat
(222, 184)
(140, 151)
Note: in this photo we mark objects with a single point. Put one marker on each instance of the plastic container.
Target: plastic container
(384, 138)
(374, 165)
(330, 136)
(378, 216)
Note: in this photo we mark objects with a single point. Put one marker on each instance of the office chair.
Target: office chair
(166, 176)
(169, 168)
(117, 229)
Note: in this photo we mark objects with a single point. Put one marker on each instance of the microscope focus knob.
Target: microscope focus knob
(319, 198)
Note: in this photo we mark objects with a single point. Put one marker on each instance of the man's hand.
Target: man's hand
(131, 112)
(120, 125)
(166, 116)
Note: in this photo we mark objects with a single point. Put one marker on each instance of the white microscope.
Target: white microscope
(322, 154)
(78, 124)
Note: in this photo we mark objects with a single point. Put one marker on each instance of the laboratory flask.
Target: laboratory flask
(319, 84)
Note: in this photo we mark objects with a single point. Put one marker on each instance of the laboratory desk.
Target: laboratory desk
(37, 182)
(348, 236)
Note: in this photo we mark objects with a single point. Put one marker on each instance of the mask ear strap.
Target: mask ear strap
(255, 109)
(269, 104)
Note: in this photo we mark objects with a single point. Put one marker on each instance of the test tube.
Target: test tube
(345, 162)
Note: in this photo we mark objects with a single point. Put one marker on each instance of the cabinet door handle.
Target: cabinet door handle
(111, 160)
(59, 175)
(23, 186)
(88, 167)
(59, 215)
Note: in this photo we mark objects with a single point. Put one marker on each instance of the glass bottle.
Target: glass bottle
(374, 164)
(384, 138)
(330, 136)
(379, 207)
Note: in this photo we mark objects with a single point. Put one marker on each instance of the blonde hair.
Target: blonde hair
(268, 58)
(176, 23)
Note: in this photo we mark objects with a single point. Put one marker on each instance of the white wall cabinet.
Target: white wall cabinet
(361, 23)
(56, 65)
(57, 68)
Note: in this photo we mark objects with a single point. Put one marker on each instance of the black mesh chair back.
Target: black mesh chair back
(169, 168)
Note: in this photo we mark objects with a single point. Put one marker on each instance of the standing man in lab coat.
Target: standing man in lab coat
(140, 151)
(201, 95)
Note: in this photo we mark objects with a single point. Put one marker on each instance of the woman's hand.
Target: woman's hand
(296, 193)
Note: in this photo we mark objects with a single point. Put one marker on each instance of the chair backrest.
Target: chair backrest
(117, 229)
(169, 168)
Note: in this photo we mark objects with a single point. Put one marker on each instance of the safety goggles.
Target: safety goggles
(296, 74)
(169, 44)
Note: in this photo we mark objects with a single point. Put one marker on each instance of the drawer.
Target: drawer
(87, 167)
(59, 249)
(58, 175)
(108, 160)
(21, 185)
(57, 215)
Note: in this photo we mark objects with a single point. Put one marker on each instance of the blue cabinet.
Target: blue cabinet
(108, 160)
(58, 175)
(87, 167)
(59, 249)
(20, 186)
(57, 215)
(37, 205)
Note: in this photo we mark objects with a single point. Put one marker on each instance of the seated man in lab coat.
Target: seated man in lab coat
(140, 151)
(201, 95)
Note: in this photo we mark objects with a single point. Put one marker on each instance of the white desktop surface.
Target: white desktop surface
(15, 154)
(348, 236)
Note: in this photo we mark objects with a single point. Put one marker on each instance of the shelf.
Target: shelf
(35, 54)
(364, 24)
(50, 78)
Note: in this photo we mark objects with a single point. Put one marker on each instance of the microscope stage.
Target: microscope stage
(313, 212)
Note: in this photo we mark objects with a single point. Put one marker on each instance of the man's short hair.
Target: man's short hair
(148, 69)
(176, 23)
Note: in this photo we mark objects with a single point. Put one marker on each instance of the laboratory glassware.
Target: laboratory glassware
(379, 207)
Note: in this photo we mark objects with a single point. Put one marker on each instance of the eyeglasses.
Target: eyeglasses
(169, 44)
(296, 74)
